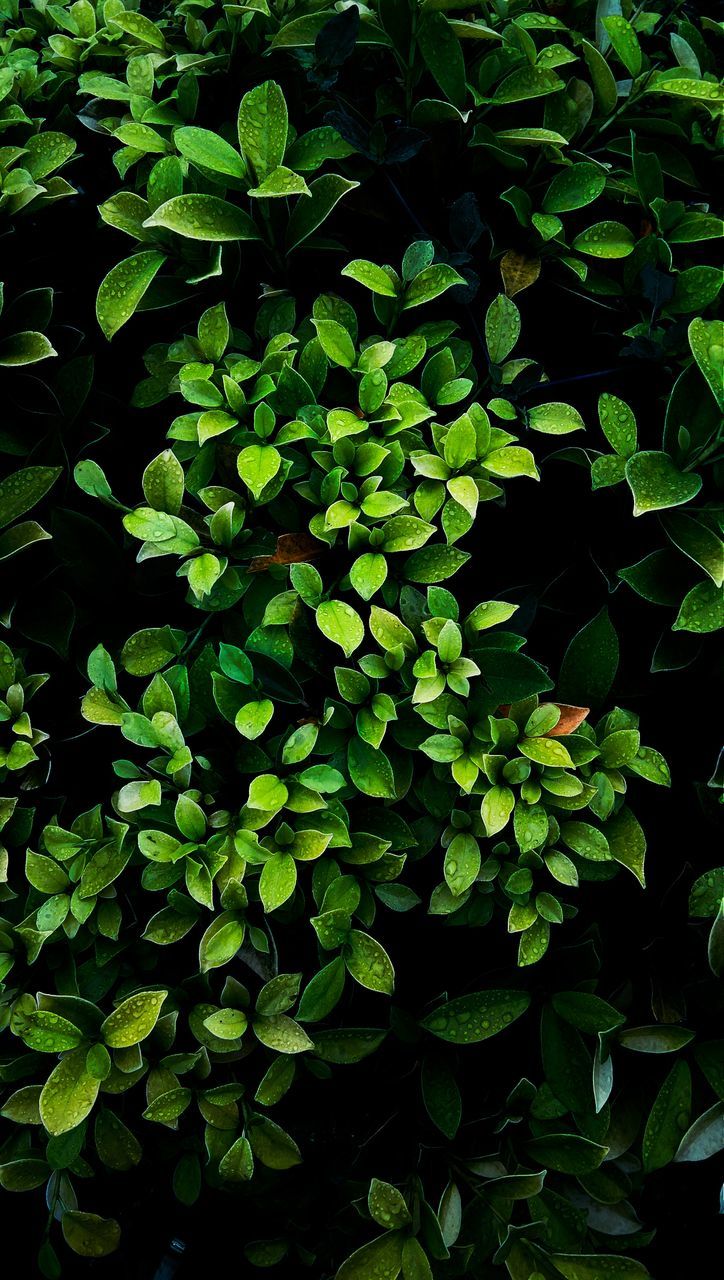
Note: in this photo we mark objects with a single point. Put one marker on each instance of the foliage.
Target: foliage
(314, 891)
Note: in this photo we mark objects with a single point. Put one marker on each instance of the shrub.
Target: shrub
(321, 899)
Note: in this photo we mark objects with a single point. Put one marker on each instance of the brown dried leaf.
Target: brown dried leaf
(292, 548)
(571, 719)
(518, 272)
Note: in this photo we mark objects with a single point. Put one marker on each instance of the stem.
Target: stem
(189, 646)
(705, 456)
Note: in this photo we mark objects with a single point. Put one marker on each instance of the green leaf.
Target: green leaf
(367, 574)
(546, 751)
(510, 461)
(511, 676)
(370, 770)
(434, 563)
(625, 42)
(252, 719)
(586, 841)
(657, 484)
(347, 1046)
(698, 542)
(220, 943)
(619, 748)
(371, 276)
(460, 443)
(48, 1032)
(590, 663)
(526, 83)
(300, 743)
(443, 56)
(268, 793)
(280, 182)
(310, 150)
(141, 137)
(168, 1106)
(278, 880)
(607, 470)
(147, 651)
(209, 151)
(567, 1153)
(68, 1094)
(25, 348)
(235, 664)
(430, 283)
(237, 1165)
(138, 795)
(140, 27)
(389, 632)
(660, 1038)
(368, 962)
(706, 339)
(469, 1019)
(163, 483)
(530, 824)
(257, 464)
(462, 863)
(555, 419)
(387, 1205)
(498, 804)
(227, 1024)
(341, 624)
(263, 127)
(598, 1266)
(161, 528)
(702, 610)
(574, 188)
(323, 992)
(627, 842)
(707, 91)
(381, 1259)
(604, 85)
(696, 289)
(696, 226)
(23, 1175)
(668, 1118)
(45, 152)
(715, 947)
(605, 240)
(567, 1063)
(308, 214)
(87, 1234)
(586, 1012)
(203, 572)
(214, 333)
(15, 539)
(202, 217)
(502, 328)
(705, 1138)
(23, 489)
(531, 137)
(336, 342)
(617, 423)
(273, 1146)
(133, 1019)
(706, 893)
(124, 287)
(281, 1033)
(489, 614)
(92, 480)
